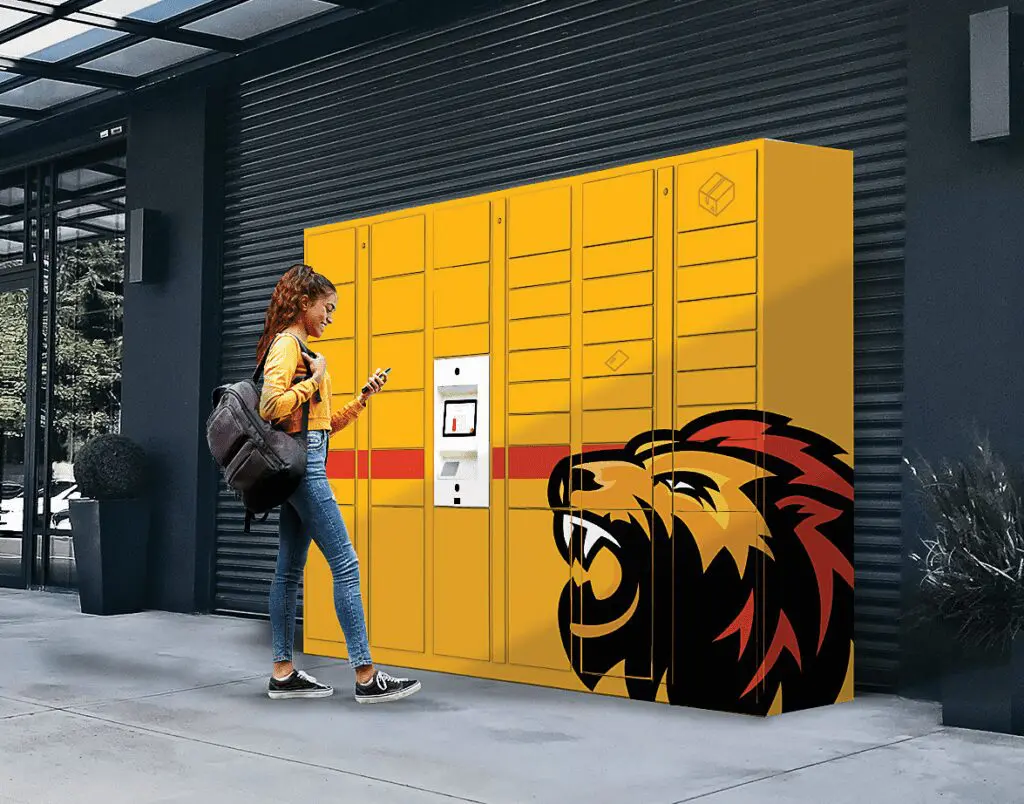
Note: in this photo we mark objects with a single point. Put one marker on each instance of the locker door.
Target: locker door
(462, 583)
(397, 551)
(461, 563)
(538, 592)
(609, 533)
(333, 254)
(720, 543)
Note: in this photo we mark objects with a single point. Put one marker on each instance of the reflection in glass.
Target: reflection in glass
(14, 319)
(85, 394)
(62, 233)
(12, 224)
(146, 57)
(44, 93)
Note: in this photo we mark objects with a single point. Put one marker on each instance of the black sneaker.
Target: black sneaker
(383, 688)
(298, 685)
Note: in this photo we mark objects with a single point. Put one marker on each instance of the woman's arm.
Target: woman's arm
(341, 419)
(280, 398)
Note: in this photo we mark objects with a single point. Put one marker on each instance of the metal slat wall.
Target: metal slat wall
(555, 87)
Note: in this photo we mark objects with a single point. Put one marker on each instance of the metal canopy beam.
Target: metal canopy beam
(164, 31)
(74, 220)
(150, 30)
(23, 71)
(21, 113)
(111, 170)
(43, 15)
(72, 75)
(88, 227)
(359, 5)
(69, 199)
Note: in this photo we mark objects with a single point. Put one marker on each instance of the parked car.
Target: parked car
(61, 493)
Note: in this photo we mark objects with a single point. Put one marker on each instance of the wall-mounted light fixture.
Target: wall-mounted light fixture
(990, 75)
(144, 247)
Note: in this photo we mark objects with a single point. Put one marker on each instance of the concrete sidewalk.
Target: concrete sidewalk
(168, 708)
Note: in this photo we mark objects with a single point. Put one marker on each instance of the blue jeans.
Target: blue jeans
(311, 512)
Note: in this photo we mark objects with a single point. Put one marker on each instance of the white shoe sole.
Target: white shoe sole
(278, 695)
(394, 696)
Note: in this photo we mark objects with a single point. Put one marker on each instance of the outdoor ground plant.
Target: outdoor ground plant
(972, 561)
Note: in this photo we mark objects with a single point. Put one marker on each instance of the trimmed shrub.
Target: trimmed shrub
(111, 467)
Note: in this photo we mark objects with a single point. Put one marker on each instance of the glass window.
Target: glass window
(86, 178)
(145, 10)
(9, 18)
(146, 57)
(14, 425)
(12, 223)
(57, 40)
(43, 94)
(87, 302)
(256, 17)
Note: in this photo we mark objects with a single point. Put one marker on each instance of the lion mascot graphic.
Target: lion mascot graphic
(716, 560)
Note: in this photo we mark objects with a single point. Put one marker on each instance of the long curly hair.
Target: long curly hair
(286, 302)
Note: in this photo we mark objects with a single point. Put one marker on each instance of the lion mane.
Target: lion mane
(732, 541)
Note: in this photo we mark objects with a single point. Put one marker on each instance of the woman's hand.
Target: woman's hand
(317, 365)
(373, 385)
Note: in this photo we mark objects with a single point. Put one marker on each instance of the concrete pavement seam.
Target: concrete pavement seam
(262, 755)
(148, 695)
(808, 766)
(27, 714)
(162, 693)
(24, 701)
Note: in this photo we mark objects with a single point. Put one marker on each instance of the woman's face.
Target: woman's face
(318, 314)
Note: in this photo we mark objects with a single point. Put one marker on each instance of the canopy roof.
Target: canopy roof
(59, 55)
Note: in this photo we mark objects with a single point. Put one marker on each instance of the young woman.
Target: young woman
(302, 306)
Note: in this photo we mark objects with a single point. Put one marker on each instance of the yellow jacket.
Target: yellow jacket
(281, 401)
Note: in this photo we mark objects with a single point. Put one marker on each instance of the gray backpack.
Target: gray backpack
(261, 463)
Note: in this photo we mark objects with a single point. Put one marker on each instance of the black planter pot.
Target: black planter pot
(984, 689)
(111, 538)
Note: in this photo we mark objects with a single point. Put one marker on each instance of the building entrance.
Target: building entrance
(62, 247)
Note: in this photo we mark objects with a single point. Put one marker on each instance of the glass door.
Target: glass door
(62, 254)
(16, 334)
(82, 280)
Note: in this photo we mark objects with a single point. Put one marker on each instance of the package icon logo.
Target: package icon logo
(716, 194)
(617, 360)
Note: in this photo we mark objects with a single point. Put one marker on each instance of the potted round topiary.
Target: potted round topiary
(110, 525)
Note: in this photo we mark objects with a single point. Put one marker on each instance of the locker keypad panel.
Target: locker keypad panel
(615, 454)
(462, 432)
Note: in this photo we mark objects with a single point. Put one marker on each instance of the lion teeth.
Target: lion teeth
(592, 533)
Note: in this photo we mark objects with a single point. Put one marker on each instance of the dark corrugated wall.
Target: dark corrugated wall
(545, 89)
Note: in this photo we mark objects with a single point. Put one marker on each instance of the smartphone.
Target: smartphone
(366, 388)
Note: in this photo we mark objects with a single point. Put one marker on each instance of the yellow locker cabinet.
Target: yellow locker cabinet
(670, 513)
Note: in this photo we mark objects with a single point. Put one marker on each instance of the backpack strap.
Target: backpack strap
(263, 361)
(249, 518)
(259, 372)
(305, 407)
(303, 349)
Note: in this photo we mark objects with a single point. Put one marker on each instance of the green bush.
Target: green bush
(973, 561)
(111, 467)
